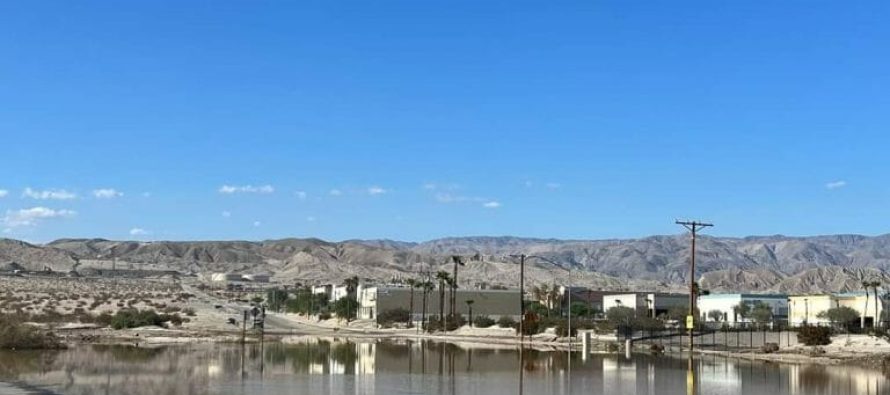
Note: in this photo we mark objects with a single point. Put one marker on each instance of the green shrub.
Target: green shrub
(531, 326)
(506, 322)
(483, 321)
(390, 317)
(814, 335)
(104, 319)
(432, 325)
(451, 323)
(132, 318)
(562, 329)
(455, 321)
(17, 336)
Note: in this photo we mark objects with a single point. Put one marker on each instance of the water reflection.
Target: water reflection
(338, 366)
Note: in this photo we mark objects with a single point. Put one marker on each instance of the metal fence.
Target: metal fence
(710, 339)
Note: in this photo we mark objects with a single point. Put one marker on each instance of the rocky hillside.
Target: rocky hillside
(766, 263)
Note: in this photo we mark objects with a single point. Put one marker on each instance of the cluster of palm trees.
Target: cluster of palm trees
(444, 281)
(548, 296)
(873, 284)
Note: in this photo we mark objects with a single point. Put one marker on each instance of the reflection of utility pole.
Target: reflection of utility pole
(693, 227)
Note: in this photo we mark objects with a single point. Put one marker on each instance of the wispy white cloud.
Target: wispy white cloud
(31, 216)
(139, 232)
(553, 185)
(492, 204)
(232, 189)
(335, 192)
(310, 219)
(301, 195)
(375, 190)
(226, 214)
(445, 197)
(3, 193)
(107, 193)
(257, 224)
(836, 184)
(49, 194)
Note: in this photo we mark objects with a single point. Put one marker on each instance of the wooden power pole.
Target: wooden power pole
(693, 227)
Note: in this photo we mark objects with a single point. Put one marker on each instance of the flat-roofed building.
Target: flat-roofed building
(726, 304)
(592, 298)
(805, 309)
(257, 278)
(651, 304)
(493, 303)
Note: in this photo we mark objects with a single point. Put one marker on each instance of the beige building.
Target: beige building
(805, 309)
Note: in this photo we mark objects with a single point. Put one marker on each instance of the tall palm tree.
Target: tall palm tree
(553, 299)
(540, 293)
(866, 285)
(443, 277)
(451, 286)
(469, 303)
(351, 284)
(412, 283)
(874, 285)
(427, 287)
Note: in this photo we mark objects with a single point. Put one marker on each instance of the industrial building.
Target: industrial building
(650, 304)
(493, 303)
(805, 309)
(727, 304)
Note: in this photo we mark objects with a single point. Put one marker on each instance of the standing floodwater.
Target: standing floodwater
(368, 367)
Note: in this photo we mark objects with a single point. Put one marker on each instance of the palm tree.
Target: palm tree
(541, 292)
(866, 285)
(875, 284)
(412, 283)
(351, 284)
(469, 303)
(443, 277)
(553, 299)
(427, 287)
(451, 300)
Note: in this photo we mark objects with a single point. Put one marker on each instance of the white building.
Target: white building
(650, 304)
(726, 305)
(225, 277)
(806, 309)
(323, 290)
(339, 292)
(257, 278)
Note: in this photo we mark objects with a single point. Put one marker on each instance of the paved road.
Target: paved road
(274, 323)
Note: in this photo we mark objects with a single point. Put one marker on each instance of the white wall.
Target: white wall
(726, 303)
(625, 300)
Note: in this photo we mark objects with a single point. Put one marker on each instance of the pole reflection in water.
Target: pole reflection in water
(340, 366)
(521, 367)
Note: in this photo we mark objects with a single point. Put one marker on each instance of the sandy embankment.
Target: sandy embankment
(870, 350)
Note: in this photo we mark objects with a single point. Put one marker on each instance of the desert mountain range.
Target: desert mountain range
(754, 264)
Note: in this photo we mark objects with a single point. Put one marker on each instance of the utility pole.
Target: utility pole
(693, 227)
(521, 299)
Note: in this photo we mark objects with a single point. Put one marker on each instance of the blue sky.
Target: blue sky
(415, 120)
